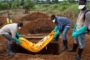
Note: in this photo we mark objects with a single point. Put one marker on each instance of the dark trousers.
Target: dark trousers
(9, 42)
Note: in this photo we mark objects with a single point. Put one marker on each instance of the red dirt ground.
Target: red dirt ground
(2, 20)
(34, 16)
(65, 55)
(41, 23)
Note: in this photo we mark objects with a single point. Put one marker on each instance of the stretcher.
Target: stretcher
(36, 47)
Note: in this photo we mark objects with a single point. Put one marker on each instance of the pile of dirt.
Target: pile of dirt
(34, 16)
(2, 20)
(38, 23)
(38, 26)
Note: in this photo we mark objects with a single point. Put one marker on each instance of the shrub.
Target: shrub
(4, 5)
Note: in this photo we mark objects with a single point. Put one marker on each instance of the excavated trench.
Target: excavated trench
(51, 48)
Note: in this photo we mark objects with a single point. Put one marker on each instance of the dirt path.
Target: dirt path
(64, 56)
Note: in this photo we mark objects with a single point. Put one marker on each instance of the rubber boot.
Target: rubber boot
(74, 48)
(9, 50)
(78, 57)
(65, 46)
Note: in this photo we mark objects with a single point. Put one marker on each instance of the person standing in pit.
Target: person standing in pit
(63, 25)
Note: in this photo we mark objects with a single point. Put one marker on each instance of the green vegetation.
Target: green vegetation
(4, 6)
(26, 4)
(54, 7)
(15, 4)
(62, 8)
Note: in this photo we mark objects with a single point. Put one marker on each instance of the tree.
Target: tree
(15, 4)
(28, 4)
(4, 5)
(71, 1)
(22, 2)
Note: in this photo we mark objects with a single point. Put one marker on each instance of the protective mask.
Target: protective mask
(53, 20)
(19, 27)
(81, 7)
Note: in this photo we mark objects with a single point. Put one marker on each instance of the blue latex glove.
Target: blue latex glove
(56, 28)
(57, 32)
(18, 35)
(80, 31)
(16, 40)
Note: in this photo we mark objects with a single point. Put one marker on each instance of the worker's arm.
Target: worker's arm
(14, 37)
(57, 32)
(80, 31)
(18, 35)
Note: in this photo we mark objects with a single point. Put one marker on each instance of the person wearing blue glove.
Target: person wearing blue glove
(62, 25)
(79, 31)
(9, 31)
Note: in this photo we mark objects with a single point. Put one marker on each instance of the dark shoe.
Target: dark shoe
(79, 54)
(11, 54)
(78, 57)
(80, 51)
(65, 46)
(74, 48)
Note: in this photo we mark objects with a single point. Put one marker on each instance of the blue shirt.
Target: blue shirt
(61, 22)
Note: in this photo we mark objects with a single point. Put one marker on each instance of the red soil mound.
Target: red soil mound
(38, 26)
(2, 20)
(38, 23)
(34, 16)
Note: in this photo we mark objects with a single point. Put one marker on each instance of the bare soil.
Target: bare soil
(40, 23)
